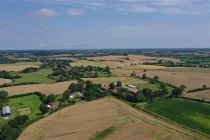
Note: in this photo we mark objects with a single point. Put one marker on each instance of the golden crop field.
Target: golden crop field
(57, 88)
(199, 95)
(83, 120)
(4, 81)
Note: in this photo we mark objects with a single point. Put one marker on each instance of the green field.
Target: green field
(22, 64)
(192, 114)
(39, 76)
(147, 85)
(24, 105)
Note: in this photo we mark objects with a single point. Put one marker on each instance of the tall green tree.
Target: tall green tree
(73, 87)
(112, 85)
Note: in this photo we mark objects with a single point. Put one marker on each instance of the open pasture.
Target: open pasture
(39, 77)
(192, 114)
(55, 88)
(199, 95)
(83, 120)
(108, 80)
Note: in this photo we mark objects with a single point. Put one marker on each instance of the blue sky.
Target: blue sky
(84, 24)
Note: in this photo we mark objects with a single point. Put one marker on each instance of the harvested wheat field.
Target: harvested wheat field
(133, 58)
(82, 121)
(190, 79)
(108, 80)
(199, 95)
(16, 67)
(4, 81)
(146, 67)
(100, 64)
(57, 88)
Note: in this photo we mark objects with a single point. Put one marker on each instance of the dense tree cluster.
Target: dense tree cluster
(5, 60)
(13, 128)
(3, 98)
(92, 91)
(8, 75)
(30, 69)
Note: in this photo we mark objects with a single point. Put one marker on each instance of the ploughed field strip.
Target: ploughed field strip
(84, 120)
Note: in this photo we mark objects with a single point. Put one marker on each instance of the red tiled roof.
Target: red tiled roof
(105, 87)
(133, 90)
(114, 90)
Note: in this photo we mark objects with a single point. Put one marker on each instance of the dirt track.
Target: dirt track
(82, 120)
(57, 88)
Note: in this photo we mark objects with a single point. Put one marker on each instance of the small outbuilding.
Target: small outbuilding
(6, 111)
(75, 94)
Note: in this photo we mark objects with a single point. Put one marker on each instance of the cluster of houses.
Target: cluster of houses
(130, 88)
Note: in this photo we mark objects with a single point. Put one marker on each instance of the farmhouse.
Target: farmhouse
(105, 87)
(75, 94)
(6, 112)
(133, 90)
(53, 105)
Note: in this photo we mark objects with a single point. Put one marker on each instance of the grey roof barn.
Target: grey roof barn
(6, 112)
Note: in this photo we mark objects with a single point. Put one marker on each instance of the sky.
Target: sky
(104, 24)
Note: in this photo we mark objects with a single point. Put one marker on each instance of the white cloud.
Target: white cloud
(75, 12)
(44, 12)
(187, 7)
(41, 44)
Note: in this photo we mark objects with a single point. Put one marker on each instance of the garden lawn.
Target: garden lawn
(24, 105)
(147, 85)
(39, 76)
(192, 114)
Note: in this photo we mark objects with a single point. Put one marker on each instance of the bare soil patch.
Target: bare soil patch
(4, 81)
(57, 88)
(199, 95)
(83, 120)
(16, 67)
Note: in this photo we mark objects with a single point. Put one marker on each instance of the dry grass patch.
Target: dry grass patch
(16, 67)
(100, 64)
(108, 80)
(57, 88)
(146, 67)
(4, 81)
(83, 120)
(199, 95)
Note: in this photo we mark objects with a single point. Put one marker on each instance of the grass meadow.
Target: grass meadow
(192, 114)
(26, 105)
(39, 76)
